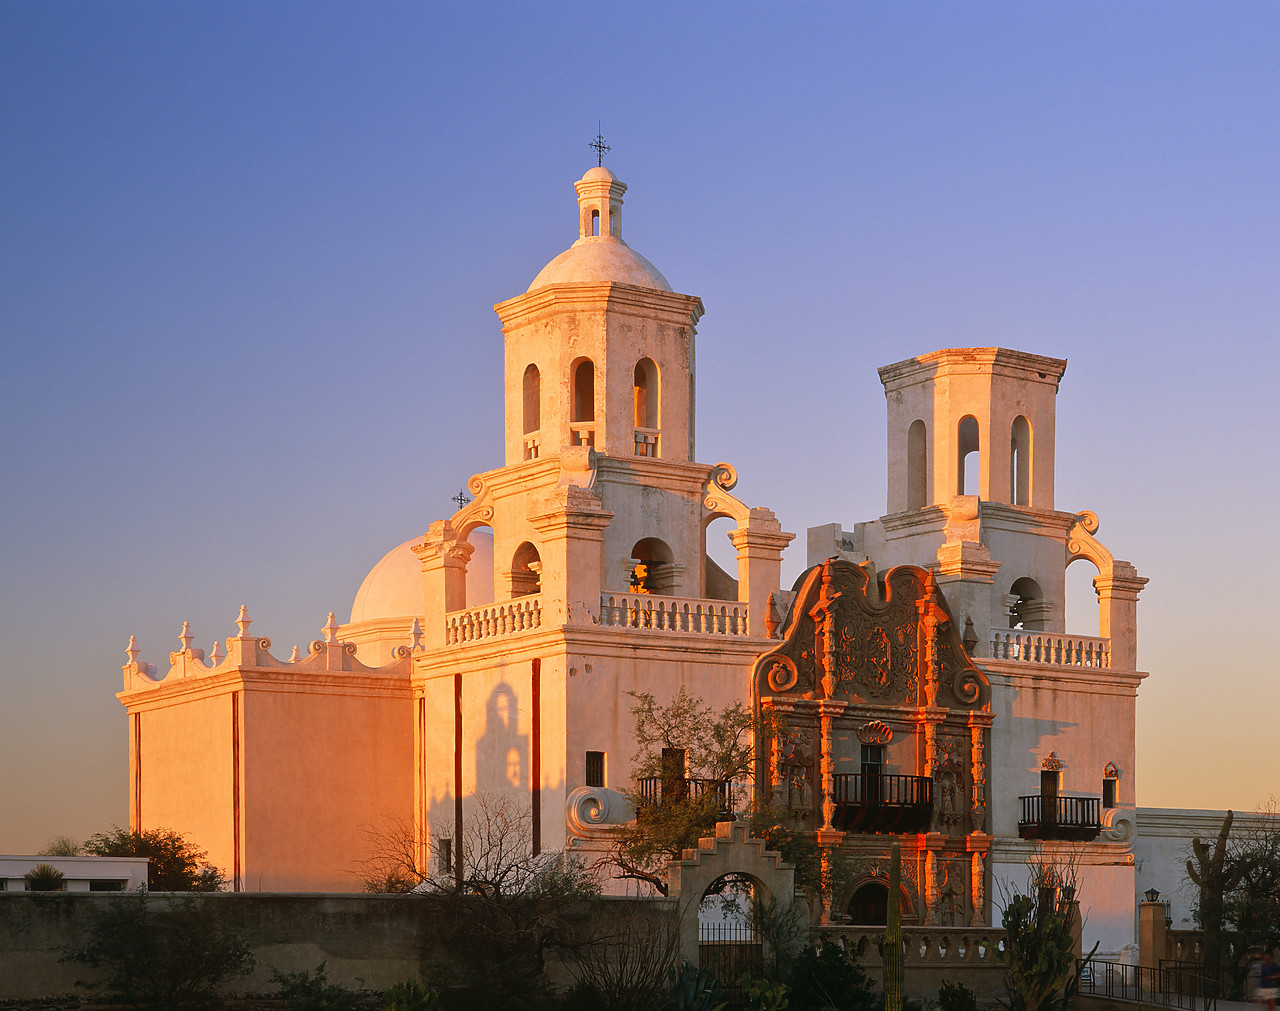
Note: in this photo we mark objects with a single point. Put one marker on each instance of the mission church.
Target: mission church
(920, 670)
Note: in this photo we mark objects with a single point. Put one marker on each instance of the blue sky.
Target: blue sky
(250, 251)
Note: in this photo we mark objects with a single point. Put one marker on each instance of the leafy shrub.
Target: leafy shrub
(763, 995)
(163, 954)
(303, 991)
(829, 977)
(174, 864)
(44, 878)
(410, 996)
(956, 997)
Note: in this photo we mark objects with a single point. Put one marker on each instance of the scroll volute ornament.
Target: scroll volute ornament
(847, 640)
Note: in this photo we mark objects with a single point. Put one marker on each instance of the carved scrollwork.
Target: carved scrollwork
(875, 732)
(475, 485)
(316, 646)
(1088, 519)
(264, 644)
(1109, 771)
(724, 475)
(349, 648)
(782, 674)
(1052, 763)
(589, 809)
(1118, 825)
(399, 653)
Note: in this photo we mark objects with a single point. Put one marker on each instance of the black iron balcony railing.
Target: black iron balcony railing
(664, 789)
(876, 802)
(1075, 818)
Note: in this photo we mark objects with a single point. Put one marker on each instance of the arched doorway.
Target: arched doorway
(869, 905)
(729, 942)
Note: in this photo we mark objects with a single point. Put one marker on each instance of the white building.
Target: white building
(930, 689)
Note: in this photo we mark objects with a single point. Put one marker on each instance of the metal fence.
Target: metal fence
(1168, 987)
(730, 949)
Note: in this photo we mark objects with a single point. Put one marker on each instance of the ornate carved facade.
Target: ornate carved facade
(880, 725)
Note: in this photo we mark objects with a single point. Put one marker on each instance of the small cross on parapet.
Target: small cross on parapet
(461, 498)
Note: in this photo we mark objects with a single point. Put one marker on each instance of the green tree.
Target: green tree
(61, 846)
(718, 748)
(162, 953)
(829, 976)
(175, 865)
(1041, 967)
(683, 740)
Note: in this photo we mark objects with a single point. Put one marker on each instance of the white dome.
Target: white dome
(600, 256)
(393, 588)
(597, 260)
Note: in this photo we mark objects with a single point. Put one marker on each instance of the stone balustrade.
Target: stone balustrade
(491, 620)
(1030, 646)
(683, 615)
(923, 947)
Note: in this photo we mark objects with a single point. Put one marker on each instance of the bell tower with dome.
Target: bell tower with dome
(490, 658)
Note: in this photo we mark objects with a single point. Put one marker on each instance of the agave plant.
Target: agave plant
(694, 989)
(44, 878)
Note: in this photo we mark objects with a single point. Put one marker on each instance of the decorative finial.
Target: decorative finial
(185, 637)
(244, 621)
(217, 653)
(461, 498)
(331, 629)
(132, 651)
(295, 656)
(599, 146)
(416, 632)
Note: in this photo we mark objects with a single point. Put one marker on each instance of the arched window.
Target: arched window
(595, 223)
(1020, 462)
(917, 466)
(582, 414)
(967, 460)
(526, 571)
(654, 570)
(532, 411)
(646, 407)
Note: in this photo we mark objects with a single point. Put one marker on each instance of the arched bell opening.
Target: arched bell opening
(646, 408)
(719, 559)
(917, 466)
(1027, 607)
(968, 459)
(526, 571)
(653, 568)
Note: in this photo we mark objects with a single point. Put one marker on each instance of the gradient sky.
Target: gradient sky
(249, 253)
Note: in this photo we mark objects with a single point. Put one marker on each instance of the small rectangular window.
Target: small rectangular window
(106, 886)
(444, 855)
(1108, 793)
(595, 768)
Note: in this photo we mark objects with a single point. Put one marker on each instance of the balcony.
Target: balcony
(875, 802)
(1068, 818)
(666, 790)
(1049, 648)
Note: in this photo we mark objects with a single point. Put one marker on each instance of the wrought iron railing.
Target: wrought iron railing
(1168, 987)
(879, 802)
(660, 789)
(1061, 818)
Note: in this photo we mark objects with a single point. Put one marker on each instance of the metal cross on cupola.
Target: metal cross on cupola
(599, 146)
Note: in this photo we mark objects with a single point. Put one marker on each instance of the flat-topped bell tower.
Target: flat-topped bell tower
(971, 421)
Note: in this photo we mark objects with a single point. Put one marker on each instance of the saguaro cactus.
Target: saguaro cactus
(892, 954)
(1215, 878)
